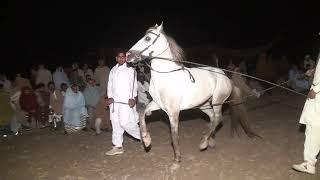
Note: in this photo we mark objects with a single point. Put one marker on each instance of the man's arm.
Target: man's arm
(110, 85)
(109, 89)
(133, 89)
(135, 86)
(315, 88)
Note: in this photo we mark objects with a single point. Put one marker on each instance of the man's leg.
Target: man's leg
(15, 124)
(311, 149)
(117, 133)
(311, 144)
(129, 122)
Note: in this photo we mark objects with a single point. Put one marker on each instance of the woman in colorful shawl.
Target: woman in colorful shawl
(43, 99)
(75, 78)
(74, 110)
(28, 103)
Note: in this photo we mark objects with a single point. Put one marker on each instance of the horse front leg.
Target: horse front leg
(145, 135)
(174, 124)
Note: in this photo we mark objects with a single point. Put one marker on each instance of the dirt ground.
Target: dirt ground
(44, 154)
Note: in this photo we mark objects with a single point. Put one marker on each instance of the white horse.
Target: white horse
(174, 87)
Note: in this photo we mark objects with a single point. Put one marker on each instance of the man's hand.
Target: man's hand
(109, 101)
(131, 103)
(311, 94)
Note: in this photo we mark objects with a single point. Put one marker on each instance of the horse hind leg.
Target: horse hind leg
(215, 116)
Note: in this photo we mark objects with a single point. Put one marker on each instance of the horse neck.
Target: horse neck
(164, 63)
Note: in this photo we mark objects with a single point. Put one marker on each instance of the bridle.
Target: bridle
(150, 57)
(154, 41)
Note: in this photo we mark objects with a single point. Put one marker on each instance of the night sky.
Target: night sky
(51, 33)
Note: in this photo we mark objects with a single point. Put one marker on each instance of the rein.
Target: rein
(179, 69)
(234, 72)
(183, 68)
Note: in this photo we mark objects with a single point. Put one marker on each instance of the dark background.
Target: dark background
(53, 33)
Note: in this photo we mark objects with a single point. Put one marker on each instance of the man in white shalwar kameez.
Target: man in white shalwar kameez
(59, 77)
(43, 76)
(311, 118)
(101, 75)
(122, 90)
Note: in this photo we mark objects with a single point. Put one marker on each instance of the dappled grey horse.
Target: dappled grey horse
(174, 87)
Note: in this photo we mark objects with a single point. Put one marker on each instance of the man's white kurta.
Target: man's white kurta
(311, 118)
(43, 76)
(122, 86)
(311, 111)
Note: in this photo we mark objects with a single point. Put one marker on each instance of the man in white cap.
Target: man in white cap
(311, 118)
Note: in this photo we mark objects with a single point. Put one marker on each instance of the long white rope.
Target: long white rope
(234, 72)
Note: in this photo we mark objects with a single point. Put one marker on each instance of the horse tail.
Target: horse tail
(239, 114)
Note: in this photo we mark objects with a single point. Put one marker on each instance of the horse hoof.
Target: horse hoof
(175, 166)
(203, 144)
(147, 140)
(211, 142)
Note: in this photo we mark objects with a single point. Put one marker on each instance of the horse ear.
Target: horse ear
(156, 26)
(160, 28)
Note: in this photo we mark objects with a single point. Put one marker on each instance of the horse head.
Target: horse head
(150, 45)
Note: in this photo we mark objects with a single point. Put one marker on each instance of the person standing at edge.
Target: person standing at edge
(311, 118)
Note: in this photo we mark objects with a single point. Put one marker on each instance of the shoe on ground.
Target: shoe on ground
(115, 151)
(304, 167)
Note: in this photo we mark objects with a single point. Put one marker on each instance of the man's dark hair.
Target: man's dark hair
(118, 51)
(63, 84)
(40, 85)
(50, 83)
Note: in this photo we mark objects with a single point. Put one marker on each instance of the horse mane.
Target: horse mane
(176, 51)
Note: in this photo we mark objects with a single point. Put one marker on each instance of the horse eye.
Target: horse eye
(147, 38)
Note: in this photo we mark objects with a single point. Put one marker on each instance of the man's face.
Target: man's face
(64, 87)
(51, 87)
(88, 77)
(91, 82)
(74, 88)
(121, 58)
(101, 62)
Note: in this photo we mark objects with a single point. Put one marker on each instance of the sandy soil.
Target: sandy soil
(43, 154)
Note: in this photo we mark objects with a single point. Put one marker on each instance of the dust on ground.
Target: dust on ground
(44, 154)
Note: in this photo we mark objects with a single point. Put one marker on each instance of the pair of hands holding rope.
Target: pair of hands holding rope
(131, 102)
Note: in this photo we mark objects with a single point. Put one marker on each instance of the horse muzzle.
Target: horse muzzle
(134, 56)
